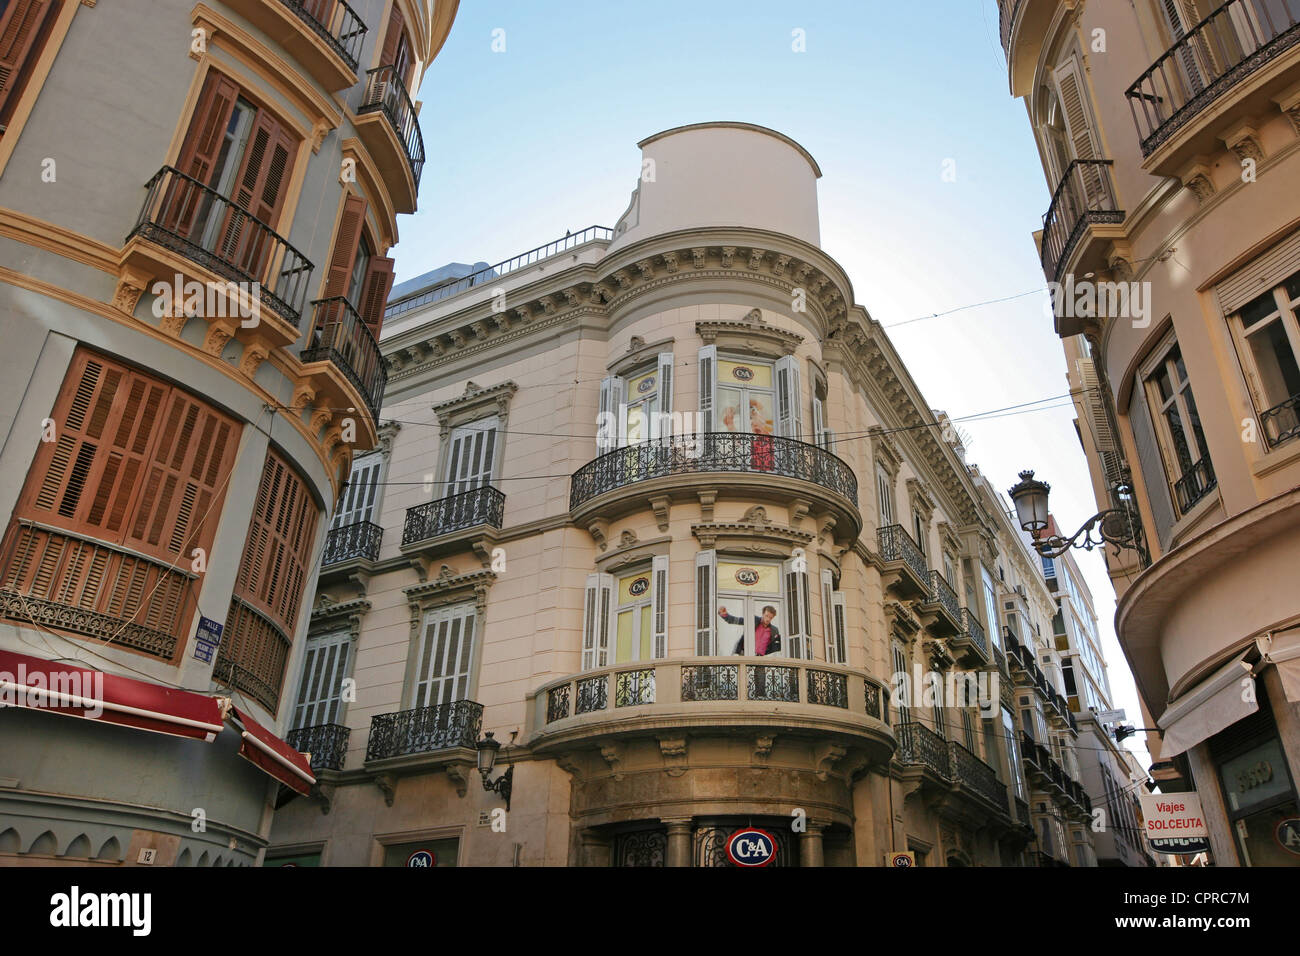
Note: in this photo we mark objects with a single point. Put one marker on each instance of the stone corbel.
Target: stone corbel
(728, 254)
(130, 286)
(219, 335)
(612, 754)
(387, 784)
(825, 757)
(483, 548)
(303, 395)
(1288, 101)
(1243, 139)
(699, 256)
(319, 130)
(458, 772)
(569, 764)
(197, 49)
(324, 792)
(599, 531)
(421, 567)
(660, 506)
(798, 510)
(763, 746)
(252, 359)
(707, 501)
(825, 526)
(673, 750)
(319, 419)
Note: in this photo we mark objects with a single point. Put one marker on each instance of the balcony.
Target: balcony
(387, 124)
(358, 541)
(756, 465)
(54, 579)
(940, 609)
(1233, 61)
(325, 36)
(326, 744)
(971, 639)
(906, 572)
(340, 337)
(919, 746)
(1084, 199)
(1194, 484)
(1022, 814)
(424, 730)
(798, 698)
(973, 775)
(183, 224)
(1281, 423)
(451, 519)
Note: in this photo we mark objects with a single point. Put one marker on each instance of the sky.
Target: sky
(538, 136)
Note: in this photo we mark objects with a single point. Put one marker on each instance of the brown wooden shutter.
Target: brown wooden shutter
(260, 190)
(208, 128)
(21, 27)
(346, 242)
(374, 293)
(392, 36)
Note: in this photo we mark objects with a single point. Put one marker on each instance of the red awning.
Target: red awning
(61, 688)
(272, 754)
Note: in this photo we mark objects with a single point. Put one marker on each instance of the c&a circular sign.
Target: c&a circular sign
(747, 577)
(422, 858)
(646, 384)
(751, 848)
(743, 373)
(638, 587)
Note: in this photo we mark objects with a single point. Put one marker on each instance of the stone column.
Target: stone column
(595, 849)
(810, 845)
(680, 830)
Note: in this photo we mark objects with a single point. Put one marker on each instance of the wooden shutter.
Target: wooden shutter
(471, 456)
(321, 690)
(659, 605)
(798, 635)
(612, 423)
(708, 362)
(828, 629)
(595, 620)
(705, 612)
(392, 36)
(1152, 465)
(22, 27)
(444, 657)
(788, 411)
(839, 616)
(273, 571)
(358, 502)
(208, 128)
(665, 399)
(374, 293)
(135, 462)
(347, 239)
(259, 190)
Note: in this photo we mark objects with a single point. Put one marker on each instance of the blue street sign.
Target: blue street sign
(209, 631)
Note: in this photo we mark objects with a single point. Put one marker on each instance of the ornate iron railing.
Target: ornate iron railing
(709, 682)
(1196, 482)
(872, 700)
(1281, 422)
(341, 28)
(593, 695)
(918, 744)
(1022, 813)
(185, 216)
(425, 730)
(1084, 196)
(480, 506)
(974, 631)
(828, 688)
(55, 579)
(715, 452)
(1008, 10)
(634, 688)
(768, 682)
(975, 775)
(360, 539)
(447, 289)
(1236, 40)
(557, 703)
(897, 545)
(941, 593)
(326, 743)
(386, 93)
(340, 336)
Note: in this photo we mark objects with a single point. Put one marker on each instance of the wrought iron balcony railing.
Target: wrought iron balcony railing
(919, 745)
(1196, 482)
(55, 579)
(185, 216)
(469, 509)
(386, 93)
(425, 730)
(1022, 813)
(897, 545)
(1281, 422)
(1084, 196)
(941, 593)
(975, 775)
(326, 743)
(1235, 41)
(360, 539)
(712, 682)
(340, 336)
(974, 631)
(727, 452)
(334, 22)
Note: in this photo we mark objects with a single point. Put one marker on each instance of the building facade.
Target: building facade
(193, 266)
(1169, 131)
(660, 508)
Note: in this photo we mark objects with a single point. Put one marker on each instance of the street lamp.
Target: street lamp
(487, 758)
(1118, 527)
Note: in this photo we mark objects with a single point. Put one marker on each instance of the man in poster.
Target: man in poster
(767, 639)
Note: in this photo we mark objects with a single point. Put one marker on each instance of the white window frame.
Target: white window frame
(1161, 360)
(485, 471)
(445, 655)
(1287, 312)
(367, 473)
(327, 662)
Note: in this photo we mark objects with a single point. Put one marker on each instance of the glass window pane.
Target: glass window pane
(1275, 362)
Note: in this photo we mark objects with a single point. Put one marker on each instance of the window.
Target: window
(638, 408)
(822, 435)
(24, 28)
(359, 498)
(885, 495)
(1013, 752)
(991, 608)
(751, 608)
(833, 620)
(1267, 331)
(269, 585)
(355, 275)
(630, 612)
(748, 396)
(1178, 428)
(114, 508)
(397, 47)
(968, 729)
(919, 532)
(949, 571)
(937, 708)
(471, 456)
(900, 683)
(328, 659)
(443, 656)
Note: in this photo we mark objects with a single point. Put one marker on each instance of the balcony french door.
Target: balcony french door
(444, 656)
(471, 457)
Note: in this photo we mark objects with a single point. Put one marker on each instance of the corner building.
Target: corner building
(193, 266)
(1169, 132)
(595, 594)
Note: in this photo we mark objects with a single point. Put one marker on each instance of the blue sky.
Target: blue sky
(525, 144)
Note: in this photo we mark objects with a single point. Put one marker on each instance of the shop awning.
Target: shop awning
(61, 688)
(1284, 654)
(1213, 705)
(272, 754)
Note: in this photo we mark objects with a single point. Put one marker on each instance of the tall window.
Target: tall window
(885, 495)
(471, 456)
(1267, 330)
(320, 694)
(397, 47)
(751, 608)
(1178, 427)
(750, 396)
(24, 29)
(1013, 752)
(629, 613)
(356, 276)
(903, 700)
(443, 656)
(359, 498)
(637, 408)
(991, 608)
(115, 506)
(919, 532)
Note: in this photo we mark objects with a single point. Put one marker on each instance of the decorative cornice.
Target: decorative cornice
(474, 403)
(743, 335)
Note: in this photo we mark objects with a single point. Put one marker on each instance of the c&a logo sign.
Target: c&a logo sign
(751, 848)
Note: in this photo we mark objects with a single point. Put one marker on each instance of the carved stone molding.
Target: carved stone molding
(612, 754)
(475, 403)
(763, 744)
(752, 334)
(885, 450)
(459, 773)
(387, 784)
(750, 537)
(673, 750)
